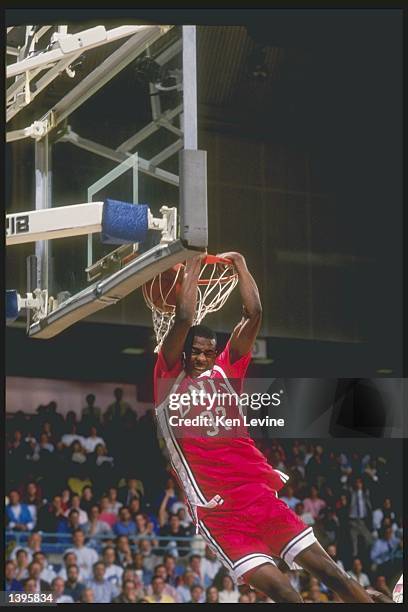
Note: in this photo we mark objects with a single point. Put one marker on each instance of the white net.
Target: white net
(216, 281)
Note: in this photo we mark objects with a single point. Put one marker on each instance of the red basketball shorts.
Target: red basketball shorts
(265, 529)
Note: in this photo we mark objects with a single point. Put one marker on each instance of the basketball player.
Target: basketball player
(230, 488)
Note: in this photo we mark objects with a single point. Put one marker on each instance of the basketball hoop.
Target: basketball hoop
(216, 281)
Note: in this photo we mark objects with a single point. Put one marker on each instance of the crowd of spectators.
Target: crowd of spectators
(94, 516)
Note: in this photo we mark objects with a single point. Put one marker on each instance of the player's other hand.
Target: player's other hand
(233, 256)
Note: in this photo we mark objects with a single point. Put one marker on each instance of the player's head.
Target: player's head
(200, 350)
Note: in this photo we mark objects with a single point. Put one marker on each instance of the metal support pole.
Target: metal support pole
(189, 87)
(43, 182)
(31, 282)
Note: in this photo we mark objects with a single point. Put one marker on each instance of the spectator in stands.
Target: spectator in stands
(91, 414)
(314, 504)
(106, 515)
(177, 547)
(210, 565)
(65, 499)
(160, 570)
(18, 515)
(289, 497)
(75, 504)
(87, 596)
(22, 564)
(72, 436)
(118, 410)
(103, 590)
(173, 570)
(332, 552)
(123, 551)
(359, 513)
(212, 595)
(87, 499)
(197, 594)
(133, 489)
(69, 558)
(158, 595)
(58, 592)
(184, 588)
(113, 572)
(11, 583)
(128, 594)
(47, 571)
(381, 586)
(51, 515)
(306, 517)
(95, 528)
(358, 574)
(125, 525)
(32, 497)
(34, 571)
(228, 594)
(77, 454)
(385, 511)
(143, 574)
(73, 586)
(114, 504)
(184, 517)
(93, 440)
(195, 566)
(33, 545)
(383, 550)
(86, 556)
(71, 524)
(30, 586)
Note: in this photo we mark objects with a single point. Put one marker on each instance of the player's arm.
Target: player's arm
(244, 334)
(173, 343)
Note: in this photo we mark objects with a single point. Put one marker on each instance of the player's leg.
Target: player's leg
(315, 560)
(268, 579)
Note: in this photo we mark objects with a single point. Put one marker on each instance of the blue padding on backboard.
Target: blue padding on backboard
(11, 305)
(124, 223)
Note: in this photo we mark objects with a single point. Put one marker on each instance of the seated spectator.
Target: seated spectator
(144, 526)
(34, 571)
(87, 499)
(314, 595)
(34, 543)
(87, 596)
(228, 594)
(114, 505)
(173, 570)
(197, 594)
(314, 504)
(160, 570)
(30, 586)
(51, 515)
(47, 571)
(129, 593)
(18, 515)
(103, 590)
(58, 592)
(75, 504)
(289, 497)
(306, 517)
(183, 591)
(32, 497)
(209, 567)
(72, 436)
(380, 585)
(69, 558)
(93, 440)
(106, 515)
(86, 556)
(332, 552)
(358, 574)
(123, 551)
(133, 489)
(22, 564)
(151, 559)
(380, 513)
(65, 499)
(157, 592)
(177, 547)
(44, 444)
(73, 586)
(383, 550)
(195, 566)
(244, 598)
(95, 528)
(143, 574)
(71, 524)
(113, 572)
(11, 583)
(125, 525)
(184, 517)
(212, 595)
(77, 454)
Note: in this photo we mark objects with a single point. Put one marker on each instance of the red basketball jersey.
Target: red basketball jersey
(215, 463)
